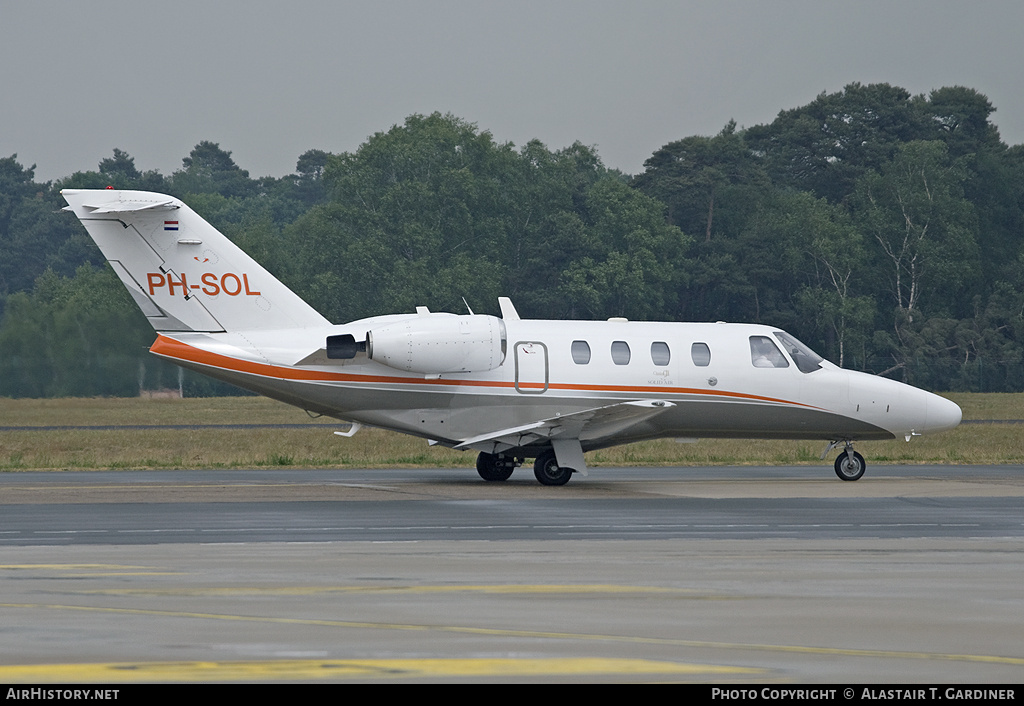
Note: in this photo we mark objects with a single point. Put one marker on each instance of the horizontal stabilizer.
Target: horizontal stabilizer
(588, 425)
(131, 206)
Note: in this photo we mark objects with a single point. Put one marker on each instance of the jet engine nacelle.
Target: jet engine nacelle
(439, 343)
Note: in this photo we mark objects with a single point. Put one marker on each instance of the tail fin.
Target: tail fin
(181, 271)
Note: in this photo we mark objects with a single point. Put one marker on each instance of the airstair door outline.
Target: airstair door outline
(531, 367)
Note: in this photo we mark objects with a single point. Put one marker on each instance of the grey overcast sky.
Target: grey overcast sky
(269, 80)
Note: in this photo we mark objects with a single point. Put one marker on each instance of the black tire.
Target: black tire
(548, 472)
(491, 467)
(848, 469)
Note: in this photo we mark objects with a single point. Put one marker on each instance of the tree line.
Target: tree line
(882, 228)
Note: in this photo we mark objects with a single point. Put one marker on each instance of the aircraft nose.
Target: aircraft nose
(943, 414)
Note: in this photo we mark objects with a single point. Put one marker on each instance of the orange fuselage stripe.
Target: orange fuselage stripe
(170, 348)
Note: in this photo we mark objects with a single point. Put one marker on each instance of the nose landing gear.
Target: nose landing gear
(849, 464)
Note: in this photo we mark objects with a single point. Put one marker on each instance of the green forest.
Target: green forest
(883, 229)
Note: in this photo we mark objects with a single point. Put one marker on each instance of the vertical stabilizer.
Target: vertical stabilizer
(181, 271)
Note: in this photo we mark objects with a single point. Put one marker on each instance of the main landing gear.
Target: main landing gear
(548, 472)
(499, 467)
(496, 467)
(849, 464)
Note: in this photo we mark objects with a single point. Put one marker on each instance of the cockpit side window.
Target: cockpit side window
(807, 361)
(765, 354)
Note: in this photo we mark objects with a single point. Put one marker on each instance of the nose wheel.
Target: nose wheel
(849, 464)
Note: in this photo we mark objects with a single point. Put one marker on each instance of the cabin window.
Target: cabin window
(701, 354)
(765, 354)
(580, 352)
(807, 361)
(660, 354)
(620, 352)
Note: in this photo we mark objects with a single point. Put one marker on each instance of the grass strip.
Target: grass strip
(314, 447)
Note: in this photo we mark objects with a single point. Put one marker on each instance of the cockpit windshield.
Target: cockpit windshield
(806, 360)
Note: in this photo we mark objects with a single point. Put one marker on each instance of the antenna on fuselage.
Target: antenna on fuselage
(468, 307)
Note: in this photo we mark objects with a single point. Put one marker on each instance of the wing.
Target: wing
(589, 425)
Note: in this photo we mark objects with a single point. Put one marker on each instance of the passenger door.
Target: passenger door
(531, 367)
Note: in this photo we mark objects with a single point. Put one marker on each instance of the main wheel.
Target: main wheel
(849, 469)
(548, 471)
(493, 467)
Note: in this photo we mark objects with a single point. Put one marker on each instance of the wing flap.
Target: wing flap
(587, 425)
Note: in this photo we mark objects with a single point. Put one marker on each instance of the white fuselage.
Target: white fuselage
(708, 371)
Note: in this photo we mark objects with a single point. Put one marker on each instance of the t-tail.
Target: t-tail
(182, 272)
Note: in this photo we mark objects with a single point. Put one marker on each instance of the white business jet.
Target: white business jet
(509, 388)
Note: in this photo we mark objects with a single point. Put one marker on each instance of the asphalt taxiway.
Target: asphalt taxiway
(709, 574)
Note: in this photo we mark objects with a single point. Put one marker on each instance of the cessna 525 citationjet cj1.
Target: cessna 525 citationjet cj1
(509, 388)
